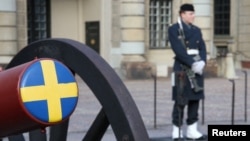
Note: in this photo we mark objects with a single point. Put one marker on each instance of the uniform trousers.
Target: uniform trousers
(192, 113)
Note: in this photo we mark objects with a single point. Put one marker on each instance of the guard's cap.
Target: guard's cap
(186, 7)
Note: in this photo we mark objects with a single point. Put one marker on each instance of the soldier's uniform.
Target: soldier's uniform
(184, 55)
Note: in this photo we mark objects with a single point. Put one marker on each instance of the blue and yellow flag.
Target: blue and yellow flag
(49, 91)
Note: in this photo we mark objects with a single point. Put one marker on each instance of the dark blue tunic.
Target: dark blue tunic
(193, 40)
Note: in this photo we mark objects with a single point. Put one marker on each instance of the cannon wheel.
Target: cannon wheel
(122, 113)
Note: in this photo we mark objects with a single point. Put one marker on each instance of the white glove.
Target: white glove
(201, 65)
(195, 68)
(198, 67)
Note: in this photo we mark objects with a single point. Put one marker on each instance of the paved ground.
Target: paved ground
(217, 106)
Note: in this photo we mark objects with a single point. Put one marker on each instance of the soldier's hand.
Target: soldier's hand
(198, 67)
(195, 67)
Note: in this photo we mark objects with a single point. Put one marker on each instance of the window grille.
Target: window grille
(221, 17)
(38, 20)
(160, 16)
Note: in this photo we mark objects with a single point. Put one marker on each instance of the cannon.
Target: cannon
(36, 94)
(121, 114)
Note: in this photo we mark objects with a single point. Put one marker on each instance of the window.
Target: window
(221, 17)
(38, 20)
(159, 21)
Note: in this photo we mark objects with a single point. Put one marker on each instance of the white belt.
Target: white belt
(192, 51)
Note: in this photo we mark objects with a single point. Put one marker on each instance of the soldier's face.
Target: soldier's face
(188, 17)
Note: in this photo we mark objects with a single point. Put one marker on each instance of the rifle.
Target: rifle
(186, 69)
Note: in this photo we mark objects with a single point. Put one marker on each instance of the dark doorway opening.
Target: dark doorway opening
(93, 35)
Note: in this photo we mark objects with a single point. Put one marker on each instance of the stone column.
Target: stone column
(133, 39)
(8, 34)
(22, 35)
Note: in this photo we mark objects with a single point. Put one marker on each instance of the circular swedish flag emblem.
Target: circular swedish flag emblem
(48, 91)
